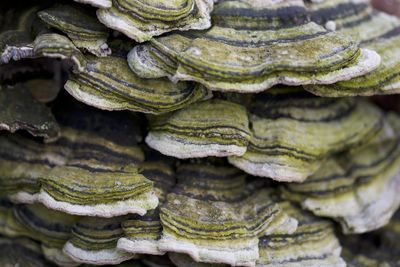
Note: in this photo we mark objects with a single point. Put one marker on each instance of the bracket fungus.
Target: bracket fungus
(209, 128)
(314, 243)
(108, 83)
(97, 3)
(292, 132)
(358, 188)
(141, 20)
(21, 111)
(145, 133)
(252, 46)
(58, 46)
(142, 233)
(284, 134)
(374, 30)
(82, 173)
(94, 241)
(51, 228)
(213, 215)
(85, 31)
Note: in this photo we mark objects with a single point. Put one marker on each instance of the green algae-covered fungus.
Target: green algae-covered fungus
(83, 173)
(58, 46)
(143, 233)
(374, 30)
(72, 185)
(201, 133)
(292, 132)
(141, 20)
(85, 31)
(252, 46)
(94, 241)
(51, 228)
(213, 215)
(314, 243)
(109, 84)
(358, 188)
(209, 128)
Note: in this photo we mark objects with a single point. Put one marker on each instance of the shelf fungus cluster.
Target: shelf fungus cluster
(199, 133)
(373, 30)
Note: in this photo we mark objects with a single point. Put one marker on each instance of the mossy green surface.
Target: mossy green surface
(82, 27)
(251, 53)
(108, 83)
(374, 30)
(213, 215)
(358, 188)
(209, 128)
(141, 20)
(292, 132)
(314, 243)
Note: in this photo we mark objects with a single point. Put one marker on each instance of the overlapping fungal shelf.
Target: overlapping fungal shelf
(199, 133)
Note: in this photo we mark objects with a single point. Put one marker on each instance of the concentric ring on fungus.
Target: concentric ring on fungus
(200, 133)
(374, 30)
(358, 188)
(213, 215)
(141, 20)
(252, 46)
